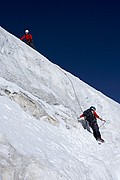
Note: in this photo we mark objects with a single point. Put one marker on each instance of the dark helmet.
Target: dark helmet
(93, 108)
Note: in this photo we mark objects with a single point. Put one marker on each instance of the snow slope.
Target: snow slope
(40, 138)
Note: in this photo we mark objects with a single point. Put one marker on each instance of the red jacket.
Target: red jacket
(95, 114)
(28, 37)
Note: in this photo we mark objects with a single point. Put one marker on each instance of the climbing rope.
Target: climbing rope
(73, 89)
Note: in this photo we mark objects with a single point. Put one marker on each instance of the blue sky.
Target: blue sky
(82, 37)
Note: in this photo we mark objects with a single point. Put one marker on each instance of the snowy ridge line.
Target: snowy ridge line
(56, 146)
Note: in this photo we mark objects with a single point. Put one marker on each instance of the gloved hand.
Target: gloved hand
(104, 120)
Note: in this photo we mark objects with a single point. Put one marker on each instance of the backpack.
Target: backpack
(89, 116)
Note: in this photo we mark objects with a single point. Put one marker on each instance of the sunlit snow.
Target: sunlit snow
(40, 136)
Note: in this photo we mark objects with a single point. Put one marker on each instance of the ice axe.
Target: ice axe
(102, 124)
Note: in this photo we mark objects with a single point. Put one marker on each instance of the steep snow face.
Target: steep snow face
(56, 146)
(40, 150)
(33, 72)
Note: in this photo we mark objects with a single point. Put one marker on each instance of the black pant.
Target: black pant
(30, 43)
(95, 129)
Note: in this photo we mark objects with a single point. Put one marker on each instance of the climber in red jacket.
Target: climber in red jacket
(28, 38)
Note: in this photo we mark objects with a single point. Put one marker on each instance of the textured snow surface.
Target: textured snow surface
(40, 137)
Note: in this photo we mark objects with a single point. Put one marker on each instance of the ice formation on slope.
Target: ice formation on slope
(40, 137)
